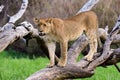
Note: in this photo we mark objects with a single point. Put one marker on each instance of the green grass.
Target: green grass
(109, 73)
(18, 66)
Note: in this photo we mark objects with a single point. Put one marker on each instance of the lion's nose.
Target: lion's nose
(41, 31)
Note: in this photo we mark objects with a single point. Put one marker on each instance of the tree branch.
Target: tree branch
(88, 6)
(1, 8)
(9, 36)
(15, 17)
(19, 14)
(117, 25)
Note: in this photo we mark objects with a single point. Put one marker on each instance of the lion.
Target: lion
(64, 30)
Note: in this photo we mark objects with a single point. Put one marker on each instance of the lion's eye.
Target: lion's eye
(44, 24)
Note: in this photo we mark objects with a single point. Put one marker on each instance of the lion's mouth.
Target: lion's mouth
(41, 34)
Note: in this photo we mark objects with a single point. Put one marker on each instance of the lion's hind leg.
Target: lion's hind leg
(92, 37)
(63, 60)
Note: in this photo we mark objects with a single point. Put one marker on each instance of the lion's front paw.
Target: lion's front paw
(89, 57)
(50, 65)
(61, 64)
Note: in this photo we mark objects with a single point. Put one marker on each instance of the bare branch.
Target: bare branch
(76, 48)
(105, 55)
(1, 8)
(22, 10)
(88, 6)
(15, 17)
(57, 73)
(117, 25)
(9, 36)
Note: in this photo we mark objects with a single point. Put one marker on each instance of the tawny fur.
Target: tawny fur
(63, 30)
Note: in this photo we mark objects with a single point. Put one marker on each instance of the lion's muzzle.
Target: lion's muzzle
(41, 34)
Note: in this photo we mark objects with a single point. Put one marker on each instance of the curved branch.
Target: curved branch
(88, 6)
(76, 48)
(117, 25)
(19, 14)
(9, 36)
(57, 73)
(15, 17)
(1, 8)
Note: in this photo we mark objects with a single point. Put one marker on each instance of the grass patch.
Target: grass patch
(109, 73)
(18, 66)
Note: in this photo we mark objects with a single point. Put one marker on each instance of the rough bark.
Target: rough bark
(10, 35)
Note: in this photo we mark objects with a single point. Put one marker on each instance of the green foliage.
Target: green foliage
(18, 66)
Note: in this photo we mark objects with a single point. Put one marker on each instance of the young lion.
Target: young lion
(63, 30)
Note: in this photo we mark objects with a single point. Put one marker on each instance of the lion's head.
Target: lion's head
(44, 25)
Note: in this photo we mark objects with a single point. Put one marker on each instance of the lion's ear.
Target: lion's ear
(35, 20)
(50, 20)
